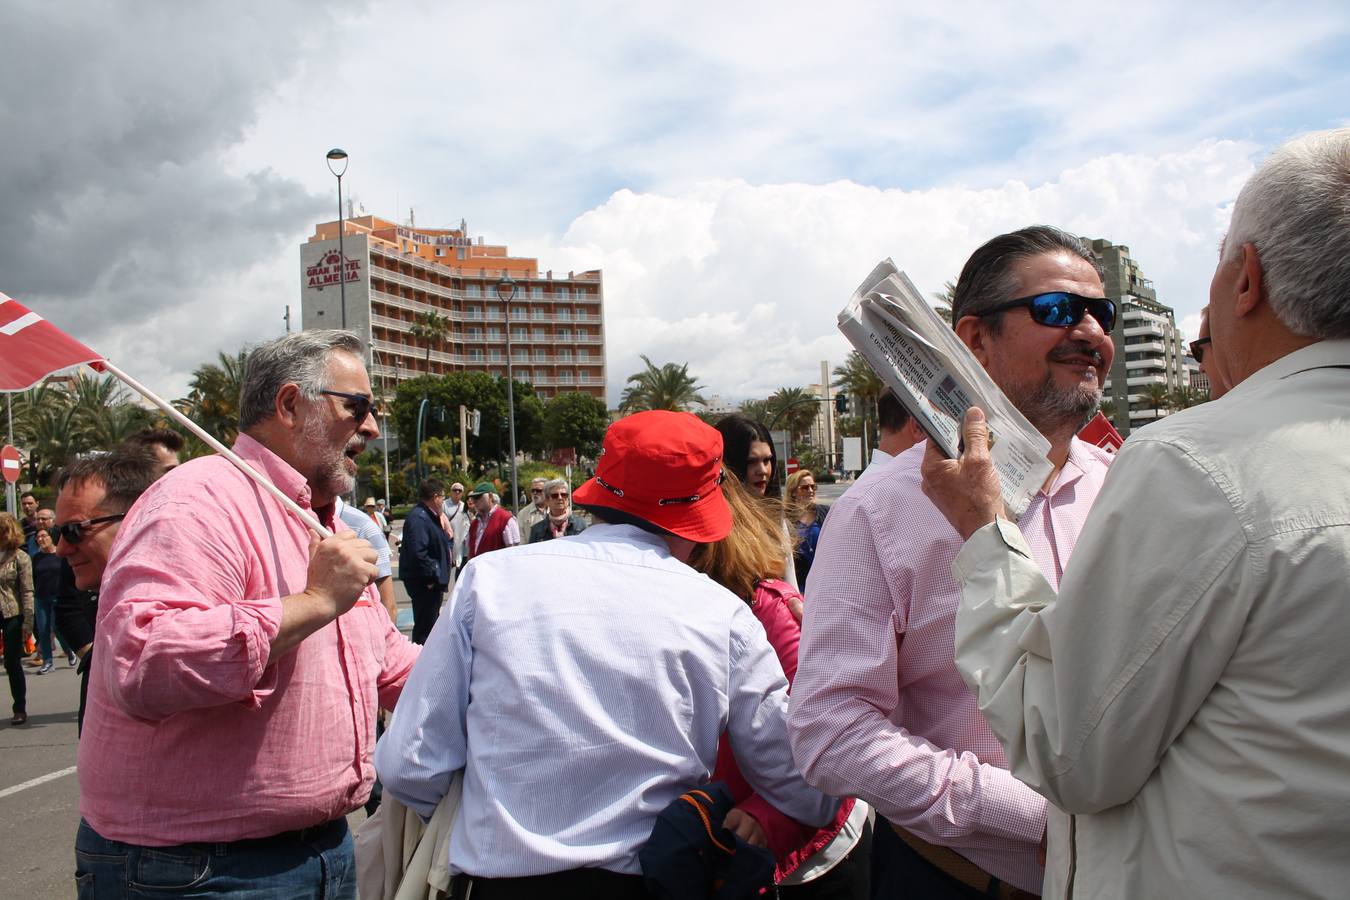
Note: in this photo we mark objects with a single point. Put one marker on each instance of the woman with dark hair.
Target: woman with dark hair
(830, 862)
(16, 610)
(747, 450)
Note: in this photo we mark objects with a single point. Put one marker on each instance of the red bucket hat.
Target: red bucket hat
(664, 468)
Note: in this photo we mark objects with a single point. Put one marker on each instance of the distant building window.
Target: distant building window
(476, 355)
(440, 251)
(539, 312)
(473, 290)
(537, 292)
(495, 334)
(564, 314)
(564, 293)
(540, 375)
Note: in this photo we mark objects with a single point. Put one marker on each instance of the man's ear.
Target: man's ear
(914, 431)
(1251, 285)
(972, 332)
(288, 399)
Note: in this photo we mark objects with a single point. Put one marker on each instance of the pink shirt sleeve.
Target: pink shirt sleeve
(191, 634)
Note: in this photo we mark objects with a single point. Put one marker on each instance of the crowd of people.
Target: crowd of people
(1135, 689)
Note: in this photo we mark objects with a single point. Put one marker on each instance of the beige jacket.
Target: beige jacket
(1186, 697)
(16, 587)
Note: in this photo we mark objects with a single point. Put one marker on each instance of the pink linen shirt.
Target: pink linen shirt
(193, 732)
(878, 709)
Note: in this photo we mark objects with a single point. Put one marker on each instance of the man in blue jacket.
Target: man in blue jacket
(424, 558)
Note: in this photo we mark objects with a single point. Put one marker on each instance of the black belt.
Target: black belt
(572, 884)
(328, 833)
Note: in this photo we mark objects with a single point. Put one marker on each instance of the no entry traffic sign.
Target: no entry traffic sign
(9, 463)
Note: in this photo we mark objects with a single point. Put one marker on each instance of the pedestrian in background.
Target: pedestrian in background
(16, 610)
(424, 558)
(808, 517)
(51, 577)
(561, 520)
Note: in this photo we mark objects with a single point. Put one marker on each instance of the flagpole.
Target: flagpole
(304, 515)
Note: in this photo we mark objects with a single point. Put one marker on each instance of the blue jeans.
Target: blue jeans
(44, 622)
(313, 864)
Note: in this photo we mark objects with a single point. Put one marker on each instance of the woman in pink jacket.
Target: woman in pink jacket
(812, 863)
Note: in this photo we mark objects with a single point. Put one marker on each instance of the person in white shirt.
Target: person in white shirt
(898, 429)
(457, 515)
(1185, 696)
(581, 686)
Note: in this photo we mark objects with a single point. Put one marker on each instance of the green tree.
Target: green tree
(474, 390)
(794, 409)
(667, 387)
(213, 399)
(757, 411)
(944, 300)
(576, 420)
(863, 387)
(1108, 409)
(430, 328)
(1157, 397)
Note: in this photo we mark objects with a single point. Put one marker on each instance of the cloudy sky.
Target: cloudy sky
(735, 169)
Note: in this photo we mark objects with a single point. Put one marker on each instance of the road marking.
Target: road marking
(41, 779)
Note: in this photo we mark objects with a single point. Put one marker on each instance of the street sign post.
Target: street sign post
(10, 463)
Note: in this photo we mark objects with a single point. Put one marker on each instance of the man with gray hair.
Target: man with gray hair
(240, 660)
(535, 512)
(1184, 695)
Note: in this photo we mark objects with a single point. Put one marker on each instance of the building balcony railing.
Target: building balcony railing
(1145, 380)
(1150, 328)
(1134, 366)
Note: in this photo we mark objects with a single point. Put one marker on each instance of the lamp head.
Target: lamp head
(337, 157)
(506, 289)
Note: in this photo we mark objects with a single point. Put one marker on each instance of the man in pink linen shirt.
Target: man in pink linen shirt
(878, 709)
(240, 660)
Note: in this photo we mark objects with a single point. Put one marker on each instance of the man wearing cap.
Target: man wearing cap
(424, 558)
(493, 527)
(536, 512)
(457, 514)
(577, 721)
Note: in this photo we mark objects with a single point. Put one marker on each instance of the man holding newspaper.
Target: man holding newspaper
(879, 710)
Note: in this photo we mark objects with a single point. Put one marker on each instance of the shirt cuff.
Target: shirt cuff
(987, 548)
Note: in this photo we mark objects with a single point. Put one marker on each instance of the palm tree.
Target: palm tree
(945, 299)
(213, 398)
(863, 387)
(667, 387)
(793, 409)
(430, 328)
(1157, 397)
(757, 411)
(1108, 409)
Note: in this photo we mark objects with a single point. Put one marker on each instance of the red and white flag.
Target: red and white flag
(31, 348)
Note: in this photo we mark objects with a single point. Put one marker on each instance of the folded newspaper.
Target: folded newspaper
(936, 378)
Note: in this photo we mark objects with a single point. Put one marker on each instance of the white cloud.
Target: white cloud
(744, 281)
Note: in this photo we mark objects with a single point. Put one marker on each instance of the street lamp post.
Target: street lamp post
(336, 157)
(506, 292)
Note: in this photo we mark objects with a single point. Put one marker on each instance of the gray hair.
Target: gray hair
(300, 359)
(557, 483)
(1296, 210)
(988, 279)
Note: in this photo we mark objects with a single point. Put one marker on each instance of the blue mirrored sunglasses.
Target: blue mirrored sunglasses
(1060, 309)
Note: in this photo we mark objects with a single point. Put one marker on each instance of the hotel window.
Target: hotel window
(476, 355)
(473, 290)
(564, 314)
(540, 375)
(494, 334)
(540, 313)
(564, 293)
(537, 292)
(564, 334)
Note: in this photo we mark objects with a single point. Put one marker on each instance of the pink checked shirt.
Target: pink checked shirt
(878, 710)
(193, 732)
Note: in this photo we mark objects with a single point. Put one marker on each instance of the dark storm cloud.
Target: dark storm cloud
(115, 199)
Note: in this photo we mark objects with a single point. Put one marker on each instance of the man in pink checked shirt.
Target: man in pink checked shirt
(879, 710)
(240, 661)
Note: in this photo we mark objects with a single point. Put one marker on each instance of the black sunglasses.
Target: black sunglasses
(557, 496)
(73, 532)
(359, 404)
(1198, 348)
(1060, 309)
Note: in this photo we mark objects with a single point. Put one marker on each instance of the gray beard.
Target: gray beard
(1055, 410)
(330, 476)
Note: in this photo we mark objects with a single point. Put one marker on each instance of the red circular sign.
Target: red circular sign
(793, 465)
(9, 462)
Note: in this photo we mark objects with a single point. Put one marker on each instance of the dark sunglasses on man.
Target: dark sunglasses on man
(359, 405)
(1198, 348)
(1060, 309)
(73, 532)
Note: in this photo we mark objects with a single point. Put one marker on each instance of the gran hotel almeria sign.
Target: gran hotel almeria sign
(329, 269)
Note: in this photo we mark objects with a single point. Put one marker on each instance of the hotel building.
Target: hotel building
(1149, 349)
(394, 272)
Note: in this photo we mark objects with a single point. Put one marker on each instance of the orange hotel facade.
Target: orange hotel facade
(393, 272)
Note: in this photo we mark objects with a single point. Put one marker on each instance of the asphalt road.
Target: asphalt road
(39, 794)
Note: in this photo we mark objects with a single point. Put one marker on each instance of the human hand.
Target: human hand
(965, 490)
(797, 608)
(746, 827)
(340, 567)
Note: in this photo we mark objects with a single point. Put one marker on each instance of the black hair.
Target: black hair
(738, 433)
(429, 488)
(891, 413)
(149, 437)
(987, 278)
(125, 474)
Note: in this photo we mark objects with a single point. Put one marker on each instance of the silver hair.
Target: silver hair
(1296, 210)
(300, 359)
(557, 483)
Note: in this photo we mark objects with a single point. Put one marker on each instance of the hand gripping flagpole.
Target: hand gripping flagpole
(261, 480)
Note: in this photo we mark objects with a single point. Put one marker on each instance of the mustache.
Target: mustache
(1077, 348)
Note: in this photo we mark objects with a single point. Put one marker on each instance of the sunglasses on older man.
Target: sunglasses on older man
(1198, 348)
(73, 532)
(1060, 309)
(359, 405)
